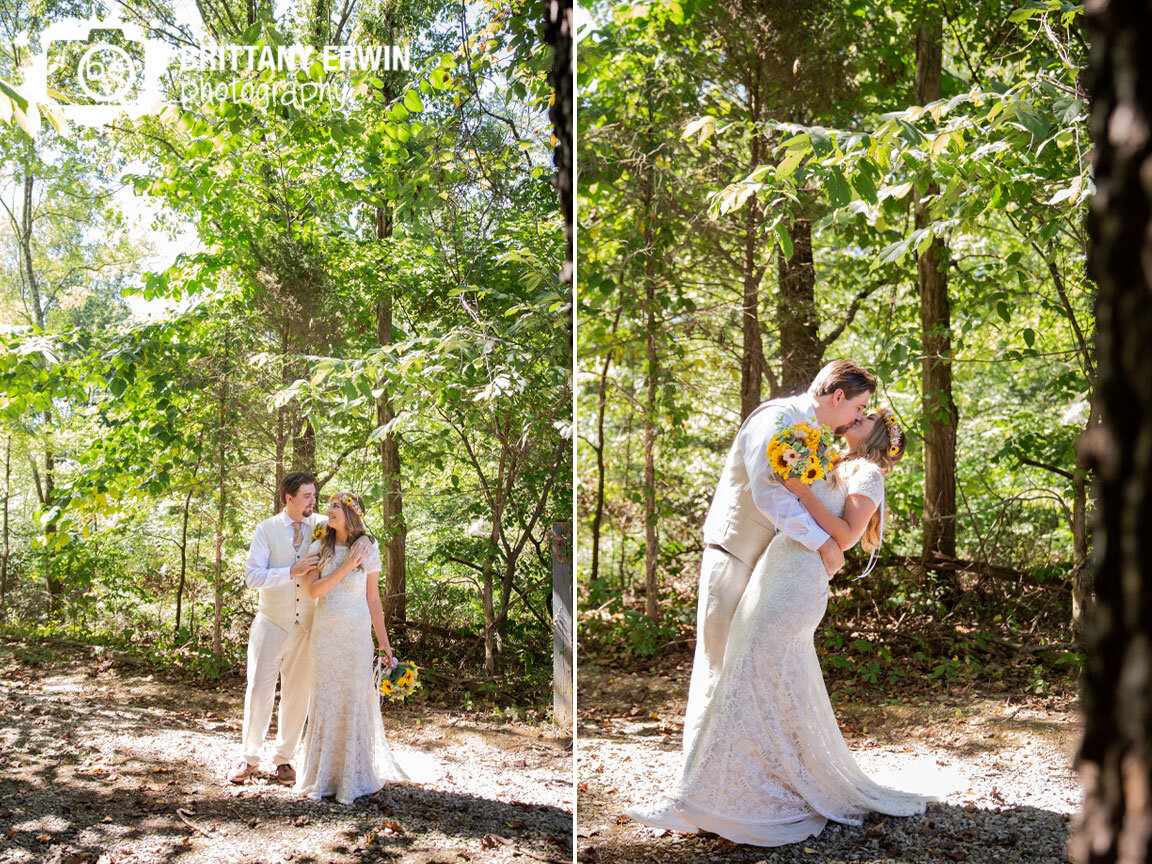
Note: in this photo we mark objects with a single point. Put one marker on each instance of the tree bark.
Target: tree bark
(651, 548)
(801, 351)
(4, 554)
(184, 552)
(1115, 758)
(558, 34)
(395, 531)
(752, 354)
(304, 446)
(598, 510)
(218, 614)
(939, 524)
(53, 582)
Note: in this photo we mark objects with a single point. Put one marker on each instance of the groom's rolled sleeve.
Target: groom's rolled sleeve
(779, 505)
(257, 573)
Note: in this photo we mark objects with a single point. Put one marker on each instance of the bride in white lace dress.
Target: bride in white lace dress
(344, 749)
(769, 765)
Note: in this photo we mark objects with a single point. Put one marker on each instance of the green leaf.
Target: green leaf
(839, 192)
(1029, 336)
(412, 102)
(786, 168)
(1003, 310)
(784, 240)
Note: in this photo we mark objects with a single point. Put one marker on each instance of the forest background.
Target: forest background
(766, 187)
(197, 302)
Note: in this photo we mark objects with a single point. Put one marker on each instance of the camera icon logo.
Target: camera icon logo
(97, 69)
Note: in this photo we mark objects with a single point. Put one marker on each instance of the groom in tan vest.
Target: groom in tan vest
(278, 640)
(749, 508)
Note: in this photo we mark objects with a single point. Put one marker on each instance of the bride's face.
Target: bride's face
(335, 515)
(856, 435)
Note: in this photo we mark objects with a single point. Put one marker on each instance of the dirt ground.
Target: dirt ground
(104, 762)
(1000, 760)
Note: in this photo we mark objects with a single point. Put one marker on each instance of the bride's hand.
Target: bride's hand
(356, 555)
(794, 485)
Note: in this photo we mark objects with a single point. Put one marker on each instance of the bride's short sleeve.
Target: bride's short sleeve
(371, 562)
(867, 480)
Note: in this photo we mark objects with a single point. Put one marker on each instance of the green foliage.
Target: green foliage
(1000, 164)
(423, 202)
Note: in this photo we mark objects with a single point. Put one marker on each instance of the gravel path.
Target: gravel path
(1001, 763)
(99, 764)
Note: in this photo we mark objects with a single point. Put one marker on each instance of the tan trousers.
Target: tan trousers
(275, 652)
(722, 583)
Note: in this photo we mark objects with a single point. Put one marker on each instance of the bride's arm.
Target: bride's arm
(376, 609)
(844, 530)
(317, 587)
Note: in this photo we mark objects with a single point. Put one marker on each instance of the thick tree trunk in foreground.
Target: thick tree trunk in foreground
(936, 333)
(558, 34)
(1115, 758)
(801, 352)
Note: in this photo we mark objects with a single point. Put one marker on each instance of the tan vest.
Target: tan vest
(734, 521)
(286, 604)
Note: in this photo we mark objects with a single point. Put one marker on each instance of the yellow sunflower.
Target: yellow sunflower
(386, 687)
(812, 472)
(779, 463)
(318, 533)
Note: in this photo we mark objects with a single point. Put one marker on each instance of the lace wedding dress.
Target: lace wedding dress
(769, 765)
(344, 751)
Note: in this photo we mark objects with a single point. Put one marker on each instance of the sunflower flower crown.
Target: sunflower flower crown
(893, 434)
(348, 500)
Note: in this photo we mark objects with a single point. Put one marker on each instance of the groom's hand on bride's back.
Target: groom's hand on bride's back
(832, 556)
(308, 562)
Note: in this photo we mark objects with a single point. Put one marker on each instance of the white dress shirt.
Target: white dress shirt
(257, 573)
(772, 498)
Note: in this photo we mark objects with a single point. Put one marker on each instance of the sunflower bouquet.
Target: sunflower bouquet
(803, 451)
(399, 682)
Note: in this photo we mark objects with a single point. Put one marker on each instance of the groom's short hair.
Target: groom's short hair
(844, 375)
(291, 483)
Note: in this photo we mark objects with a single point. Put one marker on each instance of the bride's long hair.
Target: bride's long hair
(353, 525)
(880, 449)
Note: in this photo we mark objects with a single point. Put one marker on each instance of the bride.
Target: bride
(344, 749)
(769, 766)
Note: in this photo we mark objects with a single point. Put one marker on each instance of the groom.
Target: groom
(278, 640)
(749, 508)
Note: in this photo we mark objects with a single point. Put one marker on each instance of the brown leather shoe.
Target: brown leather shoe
(243, 770)
(285, 774)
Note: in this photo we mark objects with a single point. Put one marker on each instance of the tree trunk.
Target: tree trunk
(752, 353)
(395, 531)
(4, 554)
(558, 34)
(184, 554)
(282, 422)
(218, 616)
(598, 510)
(54, 584)
(801, 352)
(651, 549)
(1115, 759)
(935, 326)
(304, 446)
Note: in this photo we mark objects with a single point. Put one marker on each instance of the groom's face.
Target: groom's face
(846, 412)
(304, 499)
